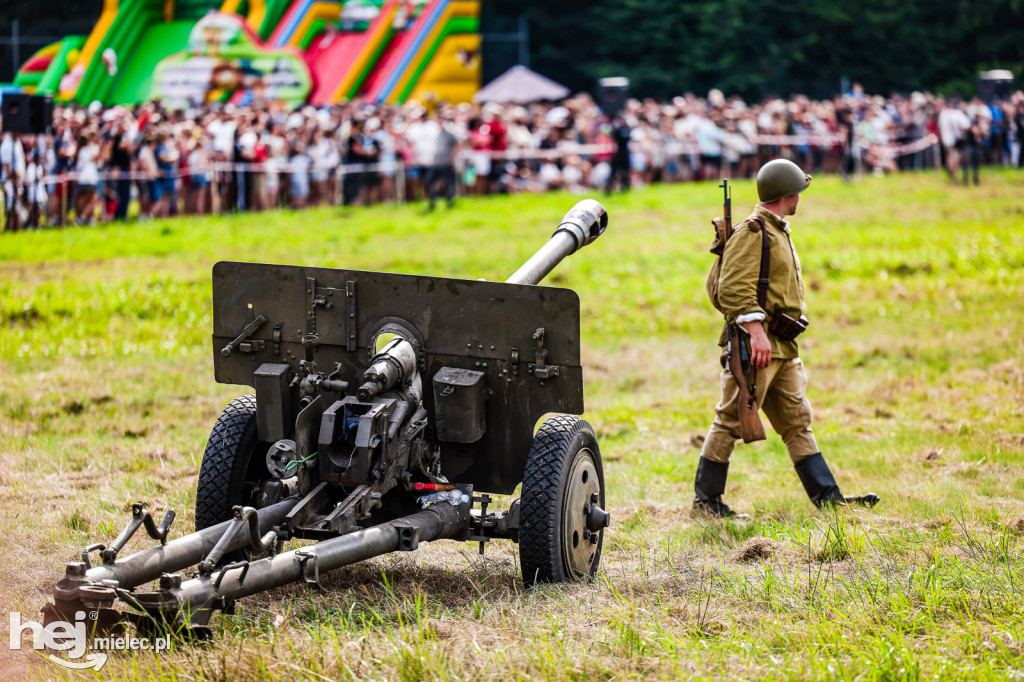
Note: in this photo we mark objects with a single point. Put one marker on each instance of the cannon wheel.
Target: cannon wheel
(563, 474)
(229, 471)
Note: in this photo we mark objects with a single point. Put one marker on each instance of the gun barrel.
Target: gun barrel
(584, 223)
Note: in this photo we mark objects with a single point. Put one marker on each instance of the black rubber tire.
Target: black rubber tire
(545, 483)
(229, 470)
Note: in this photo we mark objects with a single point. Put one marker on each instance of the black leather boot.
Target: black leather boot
(821, 485)
(709, 485)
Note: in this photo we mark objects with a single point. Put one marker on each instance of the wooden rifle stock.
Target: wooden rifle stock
(751, 428)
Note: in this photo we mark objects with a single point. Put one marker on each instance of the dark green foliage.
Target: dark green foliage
(757, 47)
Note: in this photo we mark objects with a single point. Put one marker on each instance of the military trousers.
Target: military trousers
(781, 393)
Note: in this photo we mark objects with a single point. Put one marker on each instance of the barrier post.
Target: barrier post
(858, 156)
(214, 192)
(64, 201)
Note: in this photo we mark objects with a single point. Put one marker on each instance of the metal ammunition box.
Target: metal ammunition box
(459, 397)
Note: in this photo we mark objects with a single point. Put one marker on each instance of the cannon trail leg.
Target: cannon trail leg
(91, 588)
(192, 602)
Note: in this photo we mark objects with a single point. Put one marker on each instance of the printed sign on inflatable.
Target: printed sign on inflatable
(224, 61)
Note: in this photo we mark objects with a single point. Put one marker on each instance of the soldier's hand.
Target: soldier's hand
(760, 347)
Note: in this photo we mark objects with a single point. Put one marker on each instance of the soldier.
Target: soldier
(780, 379)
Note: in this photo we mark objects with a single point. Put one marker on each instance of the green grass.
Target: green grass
(916, 365)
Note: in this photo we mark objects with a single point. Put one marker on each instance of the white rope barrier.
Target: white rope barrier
(919, 145)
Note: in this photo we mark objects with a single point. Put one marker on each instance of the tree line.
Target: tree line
(757, 47)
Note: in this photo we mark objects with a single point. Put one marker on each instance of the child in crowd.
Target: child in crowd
(298, 167)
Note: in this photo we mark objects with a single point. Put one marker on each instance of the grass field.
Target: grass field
(916, 365)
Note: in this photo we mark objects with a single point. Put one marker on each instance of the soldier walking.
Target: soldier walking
(768, 315)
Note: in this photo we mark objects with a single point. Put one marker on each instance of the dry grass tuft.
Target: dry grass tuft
(755, 549)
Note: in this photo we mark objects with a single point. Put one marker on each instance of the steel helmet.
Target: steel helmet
(780, 178)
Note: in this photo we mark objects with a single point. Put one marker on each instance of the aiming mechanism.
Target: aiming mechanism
(386, 407)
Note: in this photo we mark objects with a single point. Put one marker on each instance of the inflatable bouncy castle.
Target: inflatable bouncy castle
(316, 51)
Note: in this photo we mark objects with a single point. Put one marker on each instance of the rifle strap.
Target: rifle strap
(766, 249)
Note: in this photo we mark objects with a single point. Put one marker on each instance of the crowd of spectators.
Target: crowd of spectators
(98, 161)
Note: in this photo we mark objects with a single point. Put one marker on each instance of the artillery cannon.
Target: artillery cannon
(386, 408)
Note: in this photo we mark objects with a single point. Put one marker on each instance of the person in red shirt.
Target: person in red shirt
(259, 179)
(496, 134)
(480, 158)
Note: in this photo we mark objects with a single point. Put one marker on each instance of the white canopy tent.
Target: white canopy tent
(520, 85)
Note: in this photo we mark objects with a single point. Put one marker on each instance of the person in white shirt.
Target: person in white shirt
(36, 196)
(200, 172)
(12, 171)
(299, 165)
(277, 159)
(387, 144)
(953, 124)
(324, 161)
(422, 135)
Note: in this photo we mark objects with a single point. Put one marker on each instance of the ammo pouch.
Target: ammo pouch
(786, 327)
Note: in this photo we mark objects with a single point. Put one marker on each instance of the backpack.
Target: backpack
(718, 248)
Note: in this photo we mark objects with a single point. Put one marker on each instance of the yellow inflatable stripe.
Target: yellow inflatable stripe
(48, 51)
(464, 8)
(99, 32)
(448, 79)
(328, 11)
(257, 13)
(257, 10)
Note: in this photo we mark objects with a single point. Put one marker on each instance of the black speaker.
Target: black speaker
(15, 110)
(40, 114)
(612, 94)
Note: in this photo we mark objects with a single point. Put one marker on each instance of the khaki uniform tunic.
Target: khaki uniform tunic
(741, 265)
(781, 387)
